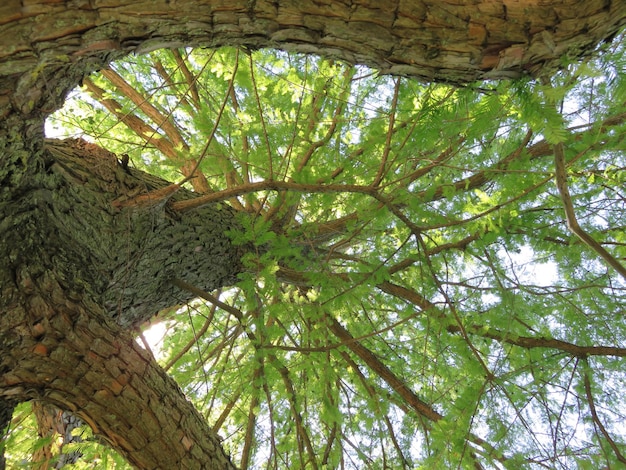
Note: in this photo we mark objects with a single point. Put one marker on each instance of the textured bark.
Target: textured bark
(61, 237)
(450, 40)
(68, 353)
(132, 244)
(88, 250)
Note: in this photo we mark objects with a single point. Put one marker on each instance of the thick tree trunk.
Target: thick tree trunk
(70, 253)
(450, 40)
(88, 247)
(65, 351)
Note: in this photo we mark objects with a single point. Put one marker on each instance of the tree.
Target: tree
(81, 269)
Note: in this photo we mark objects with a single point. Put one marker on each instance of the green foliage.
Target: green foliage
(22, 443)
(421, 219)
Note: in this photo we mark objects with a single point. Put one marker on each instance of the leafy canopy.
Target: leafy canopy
(414, 298)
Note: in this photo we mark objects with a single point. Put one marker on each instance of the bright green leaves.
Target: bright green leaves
(537, 104)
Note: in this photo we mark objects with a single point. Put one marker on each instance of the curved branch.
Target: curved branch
(596, 418)
(570, 214)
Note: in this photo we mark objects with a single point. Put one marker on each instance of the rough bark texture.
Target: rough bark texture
(68, 353)
(85, 252)
(61, 239)
(133, 245)
(449, 40)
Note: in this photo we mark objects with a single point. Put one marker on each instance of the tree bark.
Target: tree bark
(64, 281)
(130, 243)
(68, 353)
(450, 40)
(88, 246)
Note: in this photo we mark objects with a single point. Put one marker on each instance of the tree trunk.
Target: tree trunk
(89, 247)
(450, 40)
(131, 244)
(68, 252)
(65, 351)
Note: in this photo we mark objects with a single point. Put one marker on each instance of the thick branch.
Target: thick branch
(69, 354)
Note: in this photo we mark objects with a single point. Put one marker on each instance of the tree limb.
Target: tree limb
(570, 214)
(596, 418)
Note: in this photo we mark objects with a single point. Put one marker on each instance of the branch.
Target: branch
(477, 179)
(248, 441)
(137, 125)
(544, 149)
(270, 186)
(596, 418)
(260, 109)
(570, 215)
(382, 169)
(191, 342)
(149, 135)
(142, 102)
(273, 360)
(192, 86)
(418, 405)
(485, 331)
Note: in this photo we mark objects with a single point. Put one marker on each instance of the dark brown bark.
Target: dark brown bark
(86, 245)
